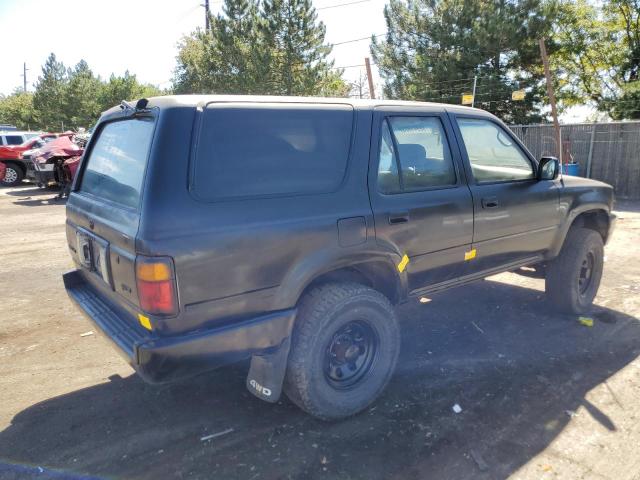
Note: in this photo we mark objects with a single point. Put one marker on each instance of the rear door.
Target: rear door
(421, 203)
(516, 216)
(103, 211)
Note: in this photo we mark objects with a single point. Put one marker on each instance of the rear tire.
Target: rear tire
(345, 346)
(13, 176)
(574, 276)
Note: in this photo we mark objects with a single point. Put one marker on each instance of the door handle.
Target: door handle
(490, 202)
(398, 217)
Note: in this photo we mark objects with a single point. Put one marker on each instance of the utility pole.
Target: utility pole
(475, 81)
(552, 99)
(24, 75)
(372, 93)
(207, 14)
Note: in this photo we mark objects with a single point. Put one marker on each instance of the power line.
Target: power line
(358, 39)
(342, 4)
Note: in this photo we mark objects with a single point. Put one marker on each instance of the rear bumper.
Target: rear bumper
(161, 358)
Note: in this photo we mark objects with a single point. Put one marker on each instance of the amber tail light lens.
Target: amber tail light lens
(156, 285)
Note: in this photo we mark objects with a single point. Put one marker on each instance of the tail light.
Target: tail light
(156, 285)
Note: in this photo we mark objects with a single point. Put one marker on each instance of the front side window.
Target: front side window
(423, 154)
(492, 154)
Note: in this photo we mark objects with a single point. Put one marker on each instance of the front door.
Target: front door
(421, 203)
(516, 216)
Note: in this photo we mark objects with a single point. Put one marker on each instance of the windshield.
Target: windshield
(115, 167)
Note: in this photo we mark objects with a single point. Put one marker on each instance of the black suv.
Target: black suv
(211, 229)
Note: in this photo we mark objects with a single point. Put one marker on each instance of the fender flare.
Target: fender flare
(570, 219)
(325, 261)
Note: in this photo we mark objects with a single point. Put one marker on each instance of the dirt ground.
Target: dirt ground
(542, 396)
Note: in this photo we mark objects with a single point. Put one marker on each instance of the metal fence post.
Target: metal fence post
(590, 156)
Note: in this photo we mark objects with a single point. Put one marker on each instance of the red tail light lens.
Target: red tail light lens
(156, 285)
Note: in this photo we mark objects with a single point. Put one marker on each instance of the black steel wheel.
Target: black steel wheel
(351, 354)
(574, 276)
(344, 350)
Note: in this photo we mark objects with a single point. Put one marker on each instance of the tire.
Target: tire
(344, 350)
(13, 175)
(574, 276)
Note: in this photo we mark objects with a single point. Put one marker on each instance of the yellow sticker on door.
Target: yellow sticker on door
(403, 263)
(470, 255)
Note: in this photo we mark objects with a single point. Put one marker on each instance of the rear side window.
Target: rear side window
(419, 145)
(115, 167)
(272, 149)
(14, 139)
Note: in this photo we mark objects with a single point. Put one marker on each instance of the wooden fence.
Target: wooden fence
(604, 151)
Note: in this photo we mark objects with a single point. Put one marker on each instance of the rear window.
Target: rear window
(116, 164)
(272, 149)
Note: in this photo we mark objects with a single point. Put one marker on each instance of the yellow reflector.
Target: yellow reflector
(403, 263)
(153, 272)
(144, 321)
(470, 254)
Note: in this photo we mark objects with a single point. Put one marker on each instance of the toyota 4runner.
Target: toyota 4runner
(211, 229)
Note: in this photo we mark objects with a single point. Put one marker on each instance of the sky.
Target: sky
(142, 35)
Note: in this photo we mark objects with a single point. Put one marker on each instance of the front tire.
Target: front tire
(574, 276)
(345, 346)
(13, 176)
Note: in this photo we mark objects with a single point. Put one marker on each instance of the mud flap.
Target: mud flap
(266, 373)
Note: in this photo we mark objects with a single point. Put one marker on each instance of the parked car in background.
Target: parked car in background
(3, 170)
(16, 137)
(46, 165)
(12, 157)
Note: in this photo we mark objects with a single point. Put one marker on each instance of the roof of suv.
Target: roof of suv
(361, 104)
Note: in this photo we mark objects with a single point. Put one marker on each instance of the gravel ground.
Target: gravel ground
(541, 395)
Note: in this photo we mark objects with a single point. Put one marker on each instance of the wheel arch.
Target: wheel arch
(376, 270)
(593, 217)
(17, 164)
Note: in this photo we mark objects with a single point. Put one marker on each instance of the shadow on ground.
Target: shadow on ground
(516, 369)
(32, 196)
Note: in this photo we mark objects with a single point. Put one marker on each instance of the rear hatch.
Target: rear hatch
(103, 211)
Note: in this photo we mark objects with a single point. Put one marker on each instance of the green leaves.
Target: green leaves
(598, 55)
(69, 98)
(275, 48)
(434, 48)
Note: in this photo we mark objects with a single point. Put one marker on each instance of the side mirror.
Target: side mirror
(548, 168)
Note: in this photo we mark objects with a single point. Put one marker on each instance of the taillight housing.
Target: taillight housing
(156, 283)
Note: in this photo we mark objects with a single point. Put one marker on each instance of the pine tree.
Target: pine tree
(49, 97)
(82, 107)
(122, 88)
(277, 49)
(294, 47)
(434, 48)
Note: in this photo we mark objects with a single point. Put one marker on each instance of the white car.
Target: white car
(16, 137)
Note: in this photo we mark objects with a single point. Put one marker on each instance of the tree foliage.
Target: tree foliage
(276, 47)
(69, 98)
(598, 55)
(434, 48)
(17, 109)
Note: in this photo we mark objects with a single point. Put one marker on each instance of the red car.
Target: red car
(11, 158)
(3, 170)
(14, 152)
